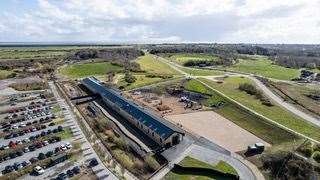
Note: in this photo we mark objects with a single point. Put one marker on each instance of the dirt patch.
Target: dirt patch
(156, 102)
(217, 129)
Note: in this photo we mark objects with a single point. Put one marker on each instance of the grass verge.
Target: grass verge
(92, 69)
(209, 171)
(265, 67)
(153, 66)
(275, 113)
(242, 118)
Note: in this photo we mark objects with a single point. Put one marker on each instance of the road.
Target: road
(27, 156)
(100, 170)
(265, 89)
(284, 104)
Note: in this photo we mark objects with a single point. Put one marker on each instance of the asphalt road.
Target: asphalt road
(31, 154)
(6, 141)
(284, 104)
(265, 89)
(100, 170)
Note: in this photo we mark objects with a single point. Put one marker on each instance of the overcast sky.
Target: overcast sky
(157, 21)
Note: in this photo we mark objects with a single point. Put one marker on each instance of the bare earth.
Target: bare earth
(217, 129)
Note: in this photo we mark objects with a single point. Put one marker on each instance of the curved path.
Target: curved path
(246, 170)
(284, 104)
(265, 89)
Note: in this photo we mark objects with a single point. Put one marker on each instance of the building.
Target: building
(158, 129)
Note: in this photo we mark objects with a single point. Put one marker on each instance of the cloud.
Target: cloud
(258, 21)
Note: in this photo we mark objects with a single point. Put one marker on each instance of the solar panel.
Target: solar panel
(135, 111)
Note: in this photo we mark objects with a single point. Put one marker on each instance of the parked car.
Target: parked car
(45, 143)
(93, 162)
(26, 149)
(68, 145)
(62, 176)
(7, 169)
(33, 160)
(70, 173)
(52, 124)
(17, 166)
(38, 170)
(26, 163)
(76, 170)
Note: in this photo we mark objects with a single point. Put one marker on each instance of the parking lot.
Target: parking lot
(36, 137)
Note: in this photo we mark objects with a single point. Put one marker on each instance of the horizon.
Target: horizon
(157, 22)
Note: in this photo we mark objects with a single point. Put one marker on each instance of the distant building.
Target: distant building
(158, 129)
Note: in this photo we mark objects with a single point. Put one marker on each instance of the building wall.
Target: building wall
(149, 132)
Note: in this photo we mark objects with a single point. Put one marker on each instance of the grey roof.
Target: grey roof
(155, 123)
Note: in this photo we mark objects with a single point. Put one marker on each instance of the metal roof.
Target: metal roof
(153, 122)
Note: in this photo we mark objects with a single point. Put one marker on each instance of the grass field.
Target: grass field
(4, 74)
(201, 72)
(16, 54)
(181, 58)
(92, 69)
(276, 113)
(149, 64)
(264, 67)
(297, 95)
(242, 118)
(141, 80)
(190, 162)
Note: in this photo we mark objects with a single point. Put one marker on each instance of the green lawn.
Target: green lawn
(250, 122)
(190, 162)
(182, 58)
(149, 64)
(66, 134)
(276, 113)
(264, 67)
(141, 80)
(90, 69)
(201, 72)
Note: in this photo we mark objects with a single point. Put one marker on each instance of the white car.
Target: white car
(39, 170)
(68, 145)
(63, 147)
(45, 143)
(26, 140)
(22, 125)
(26, 149)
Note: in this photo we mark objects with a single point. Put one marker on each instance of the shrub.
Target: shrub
(307, 151)
(129, 78)
(316, 156)
(249, 88)
(123, 159)
(152, 163)
(252, 90)
(120, 143)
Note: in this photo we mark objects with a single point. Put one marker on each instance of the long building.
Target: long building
(158, 129)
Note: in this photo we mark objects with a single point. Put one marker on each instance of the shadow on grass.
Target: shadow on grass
(210, 173)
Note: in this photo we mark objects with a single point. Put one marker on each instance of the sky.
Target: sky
(160, 21)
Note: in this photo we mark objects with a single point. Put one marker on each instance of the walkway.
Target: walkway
(100, 170)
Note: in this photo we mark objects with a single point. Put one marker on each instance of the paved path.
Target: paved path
(264, 88)
(213, 157)
(173, 65)
(100, 170)
(284, 104)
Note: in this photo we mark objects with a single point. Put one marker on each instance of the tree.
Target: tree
(110, 76)
(129, 78)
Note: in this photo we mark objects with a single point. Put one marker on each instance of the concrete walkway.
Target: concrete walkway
(100, 170)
